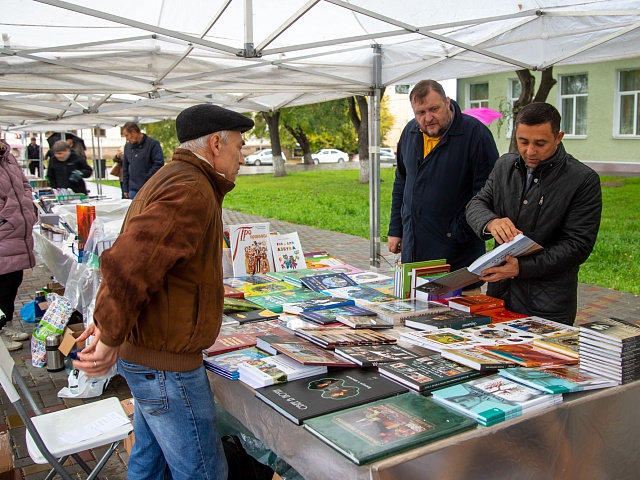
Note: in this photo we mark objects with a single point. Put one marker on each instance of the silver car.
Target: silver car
(261, 157)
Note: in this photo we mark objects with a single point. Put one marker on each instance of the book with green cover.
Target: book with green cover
(561, 379)
(266, 288)
(274, 301)
(403, 275)
(376, 430)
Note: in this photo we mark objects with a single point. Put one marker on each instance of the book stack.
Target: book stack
(528, 355)
(611, 347)
(326, 280)
(275, 301)
(565, 343)
(455, 319)
(477, 359)
(333, 337)
(494, 399)
(316, 304)
(361, 294)
(398, 311)
(275, 369)
(475, 303)
(330, 315)
(403, 273)
(226, 364)
(442, 338)
(562, 379)
(373, 431)
(374, 355)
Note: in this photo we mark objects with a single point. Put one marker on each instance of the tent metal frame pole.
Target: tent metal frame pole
(374, 160)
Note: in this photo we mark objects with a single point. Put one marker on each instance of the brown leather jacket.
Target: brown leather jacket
(161, 296)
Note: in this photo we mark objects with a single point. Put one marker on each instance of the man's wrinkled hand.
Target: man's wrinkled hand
(502, 229)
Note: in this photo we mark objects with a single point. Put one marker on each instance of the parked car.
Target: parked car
(329, 155)
(261, 157)
(385, 157)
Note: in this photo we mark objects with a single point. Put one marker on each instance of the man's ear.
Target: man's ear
(214, 144)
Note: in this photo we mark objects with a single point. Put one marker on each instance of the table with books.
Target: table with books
(315, 421)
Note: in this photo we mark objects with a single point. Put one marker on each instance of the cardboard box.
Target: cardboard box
(128, 406)
(55, 287)
(6, 458)
(68, 341)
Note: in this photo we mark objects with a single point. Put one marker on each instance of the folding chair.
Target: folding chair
(43, 430)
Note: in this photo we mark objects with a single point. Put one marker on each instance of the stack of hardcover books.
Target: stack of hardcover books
(611, 347)
(226, 364)
(275, 369)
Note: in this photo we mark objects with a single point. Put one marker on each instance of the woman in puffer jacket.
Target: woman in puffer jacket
(17, 217)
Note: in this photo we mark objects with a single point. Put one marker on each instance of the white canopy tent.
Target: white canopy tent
(95, 63)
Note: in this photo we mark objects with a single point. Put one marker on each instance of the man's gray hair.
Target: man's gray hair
(199, 144)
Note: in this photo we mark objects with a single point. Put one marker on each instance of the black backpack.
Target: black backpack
(243, 466)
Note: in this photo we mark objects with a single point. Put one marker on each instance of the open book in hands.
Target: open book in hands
(519, 246)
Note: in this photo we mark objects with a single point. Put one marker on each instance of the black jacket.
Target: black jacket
(430, 194)
(561, 211)
(140, 162)
(59, 173)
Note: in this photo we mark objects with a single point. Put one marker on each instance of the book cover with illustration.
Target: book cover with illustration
(325, 280)
(493, 399)
(448, 319)
(339, 389)
(275, 369)
(368, 277)
(332, 337)
(386, 427)
(266, 288)
(561, 379)
(373, 355)
(399, 310)
(287, 252)
(528, 355)
(310, 354)
(275, 301)
(476, 359)
(442, 338)
(226, 364)
(426, 373)
(316, 304)
(329, 315)
(250, 249)
(540, 326)
(566, 343)
(361, 294)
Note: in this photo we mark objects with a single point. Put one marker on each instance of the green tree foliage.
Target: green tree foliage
(165, 133)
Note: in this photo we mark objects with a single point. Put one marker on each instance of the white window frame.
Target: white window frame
(617, 109)
(477, 103)
(575, 97)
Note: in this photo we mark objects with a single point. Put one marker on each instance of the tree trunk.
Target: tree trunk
(528, 82)
(273, 120)
(360, 120)
(302, 139)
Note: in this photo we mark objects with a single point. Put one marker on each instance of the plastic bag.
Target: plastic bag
(82, 386)
(95, 244)
(28, 312)
(53, 321)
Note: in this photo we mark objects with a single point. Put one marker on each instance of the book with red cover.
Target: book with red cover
(233, 292)
(85, 215)
(242, 336)
(473, 303)
(528, 355)
(499, 315)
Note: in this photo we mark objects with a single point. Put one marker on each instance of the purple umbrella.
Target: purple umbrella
(485, 115)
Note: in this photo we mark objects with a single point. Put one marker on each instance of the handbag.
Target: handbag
(115, 170)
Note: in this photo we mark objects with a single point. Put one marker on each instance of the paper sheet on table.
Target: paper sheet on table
(95, 428)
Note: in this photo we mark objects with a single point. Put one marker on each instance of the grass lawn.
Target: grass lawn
(334, 200)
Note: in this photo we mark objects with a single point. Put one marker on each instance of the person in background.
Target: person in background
(33, 154)
(117, 161)
(444, 157)
(67, 169)
(142, 158)
(161, 299)
(17, 217)
(552, 198)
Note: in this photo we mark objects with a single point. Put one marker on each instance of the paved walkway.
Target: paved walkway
(593, 302)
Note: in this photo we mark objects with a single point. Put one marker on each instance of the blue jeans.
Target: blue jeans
(174, 422)
(132, 194)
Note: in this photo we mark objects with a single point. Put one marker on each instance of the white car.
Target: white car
(261, 157)
(329, 155)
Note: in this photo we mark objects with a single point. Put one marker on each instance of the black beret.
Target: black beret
(204, 119)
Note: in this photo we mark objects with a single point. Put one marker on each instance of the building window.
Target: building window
(514, 90)
(629, 103)
(573, 104)
(478, 95)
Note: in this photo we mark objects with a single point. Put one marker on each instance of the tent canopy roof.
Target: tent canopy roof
(102, 63)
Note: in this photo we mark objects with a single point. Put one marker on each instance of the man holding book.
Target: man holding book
(160, 302)
(444, 159)
(553, 199)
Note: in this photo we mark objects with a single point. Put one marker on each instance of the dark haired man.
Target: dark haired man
(142, 158)
(444, 158)
(552, 198)
(33, 154)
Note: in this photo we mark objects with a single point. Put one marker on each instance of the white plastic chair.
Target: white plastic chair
(43, 430)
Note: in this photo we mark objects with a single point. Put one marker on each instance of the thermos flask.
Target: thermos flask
(55, 359)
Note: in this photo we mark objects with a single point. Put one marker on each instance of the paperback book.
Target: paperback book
(519, 246)
(385, 286)
(561, 379)
(398, 311)
(364, 321)
(265, 342)
(275, 369)
(226, 364)
(316, 304)
(426, 373)
(303, 399)
(344, 268)
(528, 355)
(499, 315)
(368, 277)
(473, 303)
(333, 337)
(442, 338)
(566, 343)
(447, 319)
(613, 330)
(360, 294)
(540, 326)
(237, 282)
(376, 430)
(250, 249)
(326, 280)
(310, 354)
(403, 272)
(374, 355)
(494, 399)
(253, 316)
(275, 301)
(293, 276)
(329, 315)
(477, 359)
(266, 288)
(232, 305)
(499, 334)
(287, 251)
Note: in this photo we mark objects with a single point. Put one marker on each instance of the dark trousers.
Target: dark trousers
(9, 284)
(34, 166)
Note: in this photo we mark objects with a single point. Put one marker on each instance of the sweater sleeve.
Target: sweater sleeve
(166, 232)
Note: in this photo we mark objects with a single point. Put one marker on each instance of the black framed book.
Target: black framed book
(386, 427)
(337, 390)
(372, 355)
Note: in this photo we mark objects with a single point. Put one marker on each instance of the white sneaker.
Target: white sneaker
(15, 335)
(11, 345)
